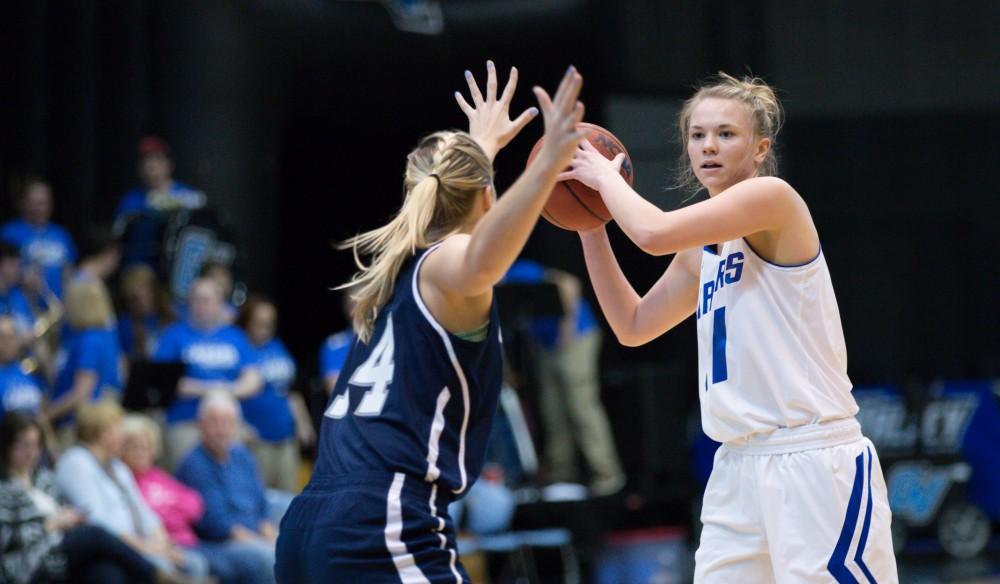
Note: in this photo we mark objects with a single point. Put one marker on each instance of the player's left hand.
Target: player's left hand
(489, 118)
(590, 167)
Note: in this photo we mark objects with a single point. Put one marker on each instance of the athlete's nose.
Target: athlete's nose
(708, 146)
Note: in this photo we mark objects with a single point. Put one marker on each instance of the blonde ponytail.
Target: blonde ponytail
(444, 176)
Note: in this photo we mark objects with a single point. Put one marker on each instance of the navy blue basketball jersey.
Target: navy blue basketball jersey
(415, 399)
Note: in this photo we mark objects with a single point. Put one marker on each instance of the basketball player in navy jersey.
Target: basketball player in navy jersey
(796, 493)
(406, 427)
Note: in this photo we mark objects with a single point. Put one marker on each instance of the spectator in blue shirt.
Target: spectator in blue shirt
(333, 353)
(217, 355)
(159, 190)
(43, 244)
(223, 471)
(278, 415)
(570, 384)
(91, 362)
(147, 312)
(13, 302)
(19, 392)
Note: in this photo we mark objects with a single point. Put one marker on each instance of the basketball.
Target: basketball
(573, 205)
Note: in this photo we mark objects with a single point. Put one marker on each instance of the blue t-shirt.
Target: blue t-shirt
(220, 354)
(137, 201)
(19, 392)
(15, 304)
(546, 329)
(49, 247)
(269, 411)
(95, 350)
(333, 353)
(233, 491)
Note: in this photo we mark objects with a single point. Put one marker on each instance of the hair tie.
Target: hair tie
(436, 177)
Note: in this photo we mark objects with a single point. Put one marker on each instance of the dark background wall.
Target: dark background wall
(295, 118)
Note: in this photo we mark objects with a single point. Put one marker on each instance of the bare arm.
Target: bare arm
(469, 265)
(635, 319)
(248, 384)
(84, 384)
(762, 204)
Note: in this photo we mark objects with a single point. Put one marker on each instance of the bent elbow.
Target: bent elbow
(628, 339)
(651, 241)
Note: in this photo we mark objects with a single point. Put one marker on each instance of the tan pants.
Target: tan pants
(279, 464)
(573, 413)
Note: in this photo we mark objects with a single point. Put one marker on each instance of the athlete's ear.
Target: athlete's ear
(763, 147)
(488, 198)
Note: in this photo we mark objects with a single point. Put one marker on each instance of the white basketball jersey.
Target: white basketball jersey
(771, 351)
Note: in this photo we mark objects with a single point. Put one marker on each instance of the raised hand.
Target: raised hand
(489, 118)
(590, 166)
(562, 113)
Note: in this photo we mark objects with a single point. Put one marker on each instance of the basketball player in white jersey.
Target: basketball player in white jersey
(796, 493)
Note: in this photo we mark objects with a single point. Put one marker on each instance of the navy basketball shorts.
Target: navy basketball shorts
(369, 527)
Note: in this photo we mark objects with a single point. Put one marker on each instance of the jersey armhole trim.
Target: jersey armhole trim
(784, 266)
(450, 349)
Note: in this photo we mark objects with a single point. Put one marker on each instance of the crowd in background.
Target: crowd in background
(187, 493)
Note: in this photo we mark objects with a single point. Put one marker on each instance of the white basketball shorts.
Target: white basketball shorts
(798, 505)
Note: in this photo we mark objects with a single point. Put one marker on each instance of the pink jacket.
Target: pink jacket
(178, 505)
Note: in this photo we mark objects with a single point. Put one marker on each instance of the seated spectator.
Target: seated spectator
(179, 507)
(159, 190)
(13, 302)
(217, 355)
(224, 472)
(90, 367)
(41, 539)
(19, 392)
(277, 415)
(43, 244)
(101, 486)
(147, 311)
(333, 353)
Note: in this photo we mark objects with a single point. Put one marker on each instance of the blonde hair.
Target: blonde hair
(143, 425)
(93, 419)
(762, 104)
(88, 305)
(444, 176)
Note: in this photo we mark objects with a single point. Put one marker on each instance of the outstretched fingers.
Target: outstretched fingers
(491, 82)
(477, 97)
(508, 90)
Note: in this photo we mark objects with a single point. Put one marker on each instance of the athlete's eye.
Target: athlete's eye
(697, 135)
(726, 134)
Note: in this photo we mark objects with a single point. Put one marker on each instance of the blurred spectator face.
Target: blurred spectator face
(205, 303)
(110, 439)
(10, 271)
(223, 277)
(138, 452)
(26, 451)
(155, 170)
(263, 324)
(218, 427)
(36, 206)
(9, 345)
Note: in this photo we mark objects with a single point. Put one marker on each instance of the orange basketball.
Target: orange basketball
(574, 206)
